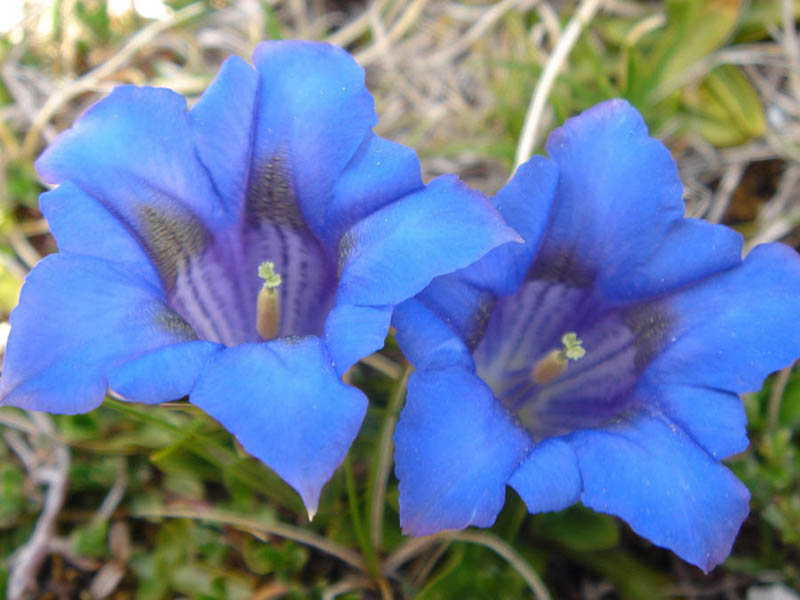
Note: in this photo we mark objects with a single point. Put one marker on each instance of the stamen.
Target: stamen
(548, 368)
(268, 311)
(555, 362)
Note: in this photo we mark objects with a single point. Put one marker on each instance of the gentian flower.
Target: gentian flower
(601, 362)
(245, 253)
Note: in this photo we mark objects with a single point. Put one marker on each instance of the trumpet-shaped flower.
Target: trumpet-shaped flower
(245, 253)
(601, 362)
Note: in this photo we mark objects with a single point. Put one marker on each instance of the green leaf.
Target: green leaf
(91, 539)
(577, 528)
(726, 110)
(172, 542)
(236, 588)
(695, 28)
(78, 428)
(284, 559)
(12, 481)
(633, 579)
(789, 415)
(784, 515)
(9, 290)
(22, 186)
(472, 571)
(95, 16)
(194, 580)
(150, 585)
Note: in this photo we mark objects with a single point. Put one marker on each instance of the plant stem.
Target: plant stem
(500, 547)
(776, 395)
(383, 461)
(355, 516)
(416, 546)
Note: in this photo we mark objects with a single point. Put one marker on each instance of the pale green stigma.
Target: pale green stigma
(554, 363)
(573, 349)
(266, 271)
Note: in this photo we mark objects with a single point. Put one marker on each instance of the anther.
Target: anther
(554, 363)
(268, 307)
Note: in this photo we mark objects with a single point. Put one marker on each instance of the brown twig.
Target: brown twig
(531, 128)
(88, 81)
(776, 395)
(28, 559)
(297, 534)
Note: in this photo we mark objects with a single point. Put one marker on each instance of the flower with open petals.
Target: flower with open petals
(245, 253)
(601, 362)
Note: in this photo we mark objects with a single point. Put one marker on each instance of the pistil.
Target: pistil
(268, 311)
(555, 362)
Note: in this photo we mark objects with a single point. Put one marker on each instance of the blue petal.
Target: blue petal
(427, 340)
(669, 490)
(691, 250)
(405, 245)
(71, 213)
(287, 406)
(164, 374)
(78, 319)
(618, 196)
(442, 324)
(455, 448)
(446, 320)
(353, 332)
(618, 213)
(549, 478)
(525, 205)
(713, 418)
(222, 123)
(731, 330)
(134, 148)
(314, 111)
(379, 173)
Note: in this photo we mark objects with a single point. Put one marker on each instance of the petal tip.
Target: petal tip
(601, 119)
(311, 510)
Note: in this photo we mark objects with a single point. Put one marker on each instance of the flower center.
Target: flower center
(211, 277)
(555, 362)
(560, 360)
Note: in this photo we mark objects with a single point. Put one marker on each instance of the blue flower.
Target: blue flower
(601, 362)
(165, 220)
